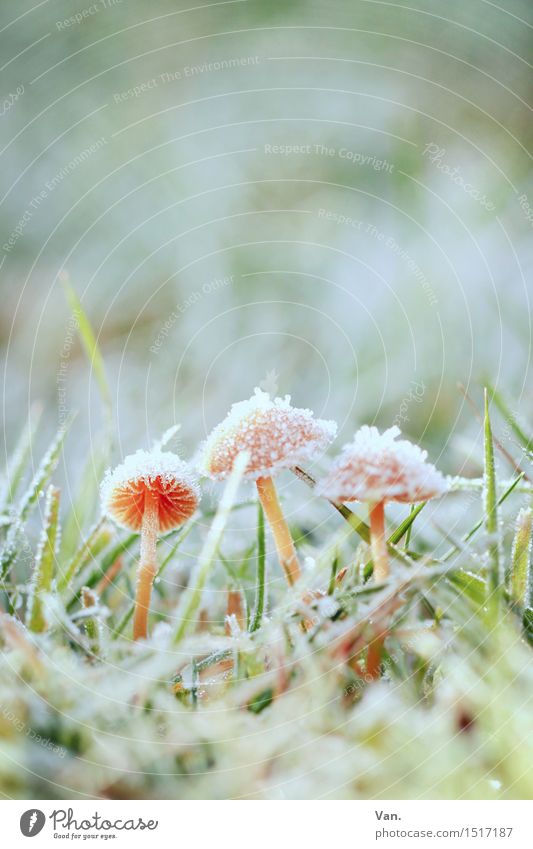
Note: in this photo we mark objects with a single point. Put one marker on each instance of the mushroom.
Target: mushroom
(276, 436)
(374, 468)
(151, 492)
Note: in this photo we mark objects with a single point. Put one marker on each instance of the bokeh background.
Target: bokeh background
(328, 199)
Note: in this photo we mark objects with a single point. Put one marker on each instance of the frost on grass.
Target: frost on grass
(123, 489)
(521, 589)
(378, 467)
(274, 433)
(270, 709)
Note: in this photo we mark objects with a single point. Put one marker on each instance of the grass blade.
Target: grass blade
(520, 578)
(19, 460)
(90, 345)
(490, 501)
(82, 509)
(31, 496)
(354, 521)
(467, 537)
(525, 440)
(97, 540)
(44, 472)
(184, 533)
(333, 573)
(43, 573)
(259, 606)
(92, 623)
(358, 525)
(404, 529)
(193, 595)
(84, 505)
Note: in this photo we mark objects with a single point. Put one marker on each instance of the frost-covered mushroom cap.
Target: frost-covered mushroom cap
(275, 434)
(375, 467)
(123, 490)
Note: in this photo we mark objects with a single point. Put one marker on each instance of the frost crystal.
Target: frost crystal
(375, 467)
(275, 434)
(123, 489)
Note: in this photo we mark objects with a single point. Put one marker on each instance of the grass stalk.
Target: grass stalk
(259, 606)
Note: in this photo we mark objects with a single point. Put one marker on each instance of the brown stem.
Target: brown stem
(282, 536)
(147, 565)
(235, 608)
(109, 576)
(378, 542)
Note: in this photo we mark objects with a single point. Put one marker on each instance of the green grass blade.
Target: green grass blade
(123, 622)
(101, 568)
(354, 521)
(184, 533)
(259, 605)
(520, 578)
(473, 531)
(358, 525)
(44, 472)
(525, 440)
(19, 460)
(98, 539)
(333, 573)
(92, 625)
(193, 595)
(83, 507)
(43, 573)
(31, 496)
(490, 502)
(404, 529)
(85, 504)
(90, 345)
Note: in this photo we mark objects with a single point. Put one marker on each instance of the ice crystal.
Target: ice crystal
(376, 467)
(123, 489)
(276, 435)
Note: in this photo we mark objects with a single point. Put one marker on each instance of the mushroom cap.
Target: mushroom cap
(275, 435)
(123, 490)
(375, 467)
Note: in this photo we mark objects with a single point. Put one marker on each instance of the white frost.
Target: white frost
(375, 467)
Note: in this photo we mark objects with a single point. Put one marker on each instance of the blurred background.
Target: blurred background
(327, 199)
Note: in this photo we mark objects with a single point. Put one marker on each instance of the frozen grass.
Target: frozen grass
(419, 687)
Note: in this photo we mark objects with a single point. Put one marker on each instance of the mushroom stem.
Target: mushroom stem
(378, 542)
(282, 536)
(147, 565)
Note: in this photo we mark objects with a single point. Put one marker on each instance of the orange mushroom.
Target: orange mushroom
(151, 492)
(374, 468)
(276, 436)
